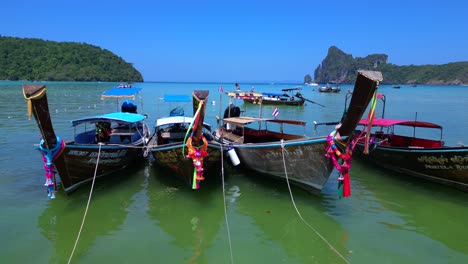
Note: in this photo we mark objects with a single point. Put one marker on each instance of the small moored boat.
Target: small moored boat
(393, 144)
(102, 145)
(184, 143)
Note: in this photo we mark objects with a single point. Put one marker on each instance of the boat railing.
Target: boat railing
(233, 137)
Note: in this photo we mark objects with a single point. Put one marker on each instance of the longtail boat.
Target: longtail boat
(286, 97)
(184, 143)
(405, 146)
(302, 160)
(102, 144)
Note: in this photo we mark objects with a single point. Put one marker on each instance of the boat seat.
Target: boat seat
(173, 135)
(88, 137)
(233, 137)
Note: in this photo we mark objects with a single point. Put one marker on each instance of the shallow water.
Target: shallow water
(147, 216)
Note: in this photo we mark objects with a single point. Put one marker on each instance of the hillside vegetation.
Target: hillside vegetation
(36, 59)
(339, 67)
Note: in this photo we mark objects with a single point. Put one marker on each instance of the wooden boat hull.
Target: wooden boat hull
(306, 164)
(272, 102)
(78, 163)
(170, 156)
(329, 89)
(448, 166)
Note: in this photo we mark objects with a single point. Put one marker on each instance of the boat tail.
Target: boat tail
(51, 146)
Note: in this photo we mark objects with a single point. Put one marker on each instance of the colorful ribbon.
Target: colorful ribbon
(49, 156)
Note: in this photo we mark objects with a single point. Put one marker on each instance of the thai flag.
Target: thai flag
(220, 89)
(275, 112)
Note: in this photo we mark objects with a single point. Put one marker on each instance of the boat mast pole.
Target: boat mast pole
(260, 112)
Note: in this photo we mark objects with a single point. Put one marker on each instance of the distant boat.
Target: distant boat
(396, 86)
(271, 98)
(329, 89)
(312, 84)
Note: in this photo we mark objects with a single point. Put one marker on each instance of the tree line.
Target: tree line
(36, 59)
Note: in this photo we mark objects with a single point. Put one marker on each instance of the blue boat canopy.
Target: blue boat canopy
(177, 98)
(120, 117)
(117, 92)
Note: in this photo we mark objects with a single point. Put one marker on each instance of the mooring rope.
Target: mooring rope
(297, 210)
(224, 199)
(87, 205)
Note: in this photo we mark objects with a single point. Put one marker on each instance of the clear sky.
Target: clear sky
(229, 41)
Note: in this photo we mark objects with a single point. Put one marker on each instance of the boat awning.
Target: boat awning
(178, 120)
(384, 122)
(240, 94)
(177, 98)
(121, 117)
(117, 92)
(274, 94)
(241, 121)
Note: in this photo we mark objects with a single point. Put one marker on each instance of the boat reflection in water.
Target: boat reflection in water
(274, 228)
(61, 220)
(397, 209)
(191, 219)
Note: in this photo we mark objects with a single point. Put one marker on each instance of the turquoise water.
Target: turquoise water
(146, 216)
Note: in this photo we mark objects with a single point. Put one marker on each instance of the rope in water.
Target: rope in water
(87, 205)
(225, 207)
(297, 210)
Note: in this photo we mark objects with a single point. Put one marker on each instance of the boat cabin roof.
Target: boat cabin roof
(121, 92)
(121, 117)
(178, 120)
(274, 94)
(243, 120)
(240, 94)
(384, 122)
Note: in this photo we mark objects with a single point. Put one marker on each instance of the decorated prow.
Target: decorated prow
(339, 151)
(50, 145)
(196, 142)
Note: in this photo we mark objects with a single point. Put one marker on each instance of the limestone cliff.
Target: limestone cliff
(339, 67)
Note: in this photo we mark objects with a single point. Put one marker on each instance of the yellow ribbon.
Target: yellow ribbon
(38, 95)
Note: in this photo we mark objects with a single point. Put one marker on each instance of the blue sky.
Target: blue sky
(229, 41)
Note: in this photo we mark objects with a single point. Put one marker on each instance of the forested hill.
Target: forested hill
(36, 59)
(339, 67)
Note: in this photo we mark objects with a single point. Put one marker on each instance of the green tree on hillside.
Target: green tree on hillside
(36, 59)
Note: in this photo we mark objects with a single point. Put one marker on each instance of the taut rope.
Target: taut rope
(87, 205)
(224, 199)
(297, 210)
